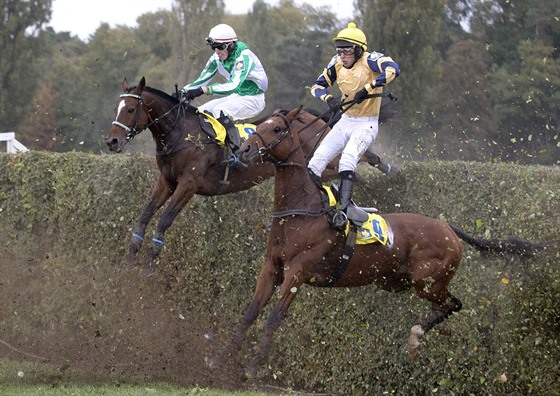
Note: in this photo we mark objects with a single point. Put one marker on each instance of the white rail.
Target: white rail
(12, 145)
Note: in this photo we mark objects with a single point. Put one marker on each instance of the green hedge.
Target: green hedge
(70, 216)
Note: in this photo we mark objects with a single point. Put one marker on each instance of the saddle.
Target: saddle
(360, 230)
(217, 131)
(355, 216)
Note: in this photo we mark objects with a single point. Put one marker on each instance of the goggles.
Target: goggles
(345, 50)
(215, 45)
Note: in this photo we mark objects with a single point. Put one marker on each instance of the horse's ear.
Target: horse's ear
(294, 113)
(142, 83)
(125, 85)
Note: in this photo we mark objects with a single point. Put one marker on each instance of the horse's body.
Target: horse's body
(424, 254)
(190, 162)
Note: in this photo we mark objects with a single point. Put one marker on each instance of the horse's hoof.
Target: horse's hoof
(131, 266)
(413, 348)
(413, 353)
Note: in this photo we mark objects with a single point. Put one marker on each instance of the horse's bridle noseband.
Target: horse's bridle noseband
(263, 151)
(131, 132)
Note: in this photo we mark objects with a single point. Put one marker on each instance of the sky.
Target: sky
(83, 17)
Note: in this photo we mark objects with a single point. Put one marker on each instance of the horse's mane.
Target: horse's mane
(163, 95)
(313, 112)
(388, 110)
(171, 100)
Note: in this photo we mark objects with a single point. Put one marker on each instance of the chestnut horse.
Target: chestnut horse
(423, 253)
(190, 162)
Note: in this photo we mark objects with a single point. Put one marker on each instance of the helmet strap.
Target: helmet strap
(231, 47)
(358, 52)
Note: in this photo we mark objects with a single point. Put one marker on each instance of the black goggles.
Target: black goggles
(216, 46)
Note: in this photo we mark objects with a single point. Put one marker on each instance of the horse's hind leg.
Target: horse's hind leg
(160, 195)
(377, 162)
(440, 313)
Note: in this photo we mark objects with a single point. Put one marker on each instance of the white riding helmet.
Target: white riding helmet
(221, 33)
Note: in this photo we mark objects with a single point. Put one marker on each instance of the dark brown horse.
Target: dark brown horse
(423, 253)
(189, 160)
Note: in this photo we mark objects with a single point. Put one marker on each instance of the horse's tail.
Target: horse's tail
(513, 246)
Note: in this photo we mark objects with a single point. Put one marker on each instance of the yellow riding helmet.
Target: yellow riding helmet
(352, 35)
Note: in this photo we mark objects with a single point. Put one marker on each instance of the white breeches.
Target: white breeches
(236, 106)
(351, 136)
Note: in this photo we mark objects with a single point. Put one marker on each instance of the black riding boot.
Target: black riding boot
(347, 210)
(231, 131)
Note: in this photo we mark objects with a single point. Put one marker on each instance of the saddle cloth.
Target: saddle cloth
(374, 230)
(214, 128)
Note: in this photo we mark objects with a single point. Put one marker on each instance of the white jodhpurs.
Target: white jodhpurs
(238, 107)
(351, 136)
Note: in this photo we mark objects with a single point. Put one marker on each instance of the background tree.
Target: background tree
(39, 130)
(62, 71)
(194, 20)
(526, 102)
(462, 125)
(289, 38)
(20, 45)
(155, 30)
(479, 77)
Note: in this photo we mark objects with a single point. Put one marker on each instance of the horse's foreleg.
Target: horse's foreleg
(160, 194)
(266, 284)
(178, 200)
(288, 293)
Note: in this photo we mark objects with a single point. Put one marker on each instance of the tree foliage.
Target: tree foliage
(479, 78)
(20, 46)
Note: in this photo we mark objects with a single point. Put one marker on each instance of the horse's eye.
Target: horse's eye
(277, 129)
(131, 109)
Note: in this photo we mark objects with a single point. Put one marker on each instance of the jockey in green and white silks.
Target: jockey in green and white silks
(243, 92)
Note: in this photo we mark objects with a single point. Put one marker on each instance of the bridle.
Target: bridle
(132, 132)
(263, 151)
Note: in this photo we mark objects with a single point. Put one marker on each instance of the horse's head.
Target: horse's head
(131, 117)
(270, 141)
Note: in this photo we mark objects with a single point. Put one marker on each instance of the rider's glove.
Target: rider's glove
(194, 93)
(334, 104)
(360, 95)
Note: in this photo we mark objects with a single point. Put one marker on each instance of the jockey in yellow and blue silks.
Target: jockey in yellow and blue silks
(246, 80)
(357, 73)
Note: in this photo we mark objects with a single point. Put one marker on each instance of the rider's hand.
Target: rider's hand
(334, 104)
(194, 93)
(360, 95)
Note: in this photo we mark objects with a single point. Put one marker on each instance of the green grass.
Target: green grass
(28, 379)
(158, 389)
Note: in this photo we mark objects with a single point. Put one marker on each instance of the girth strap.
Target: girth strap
(347, 253)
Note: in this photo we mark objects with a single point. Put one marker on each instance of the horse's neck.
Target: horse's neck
(159, 117)
(166, 124)
(294, 189)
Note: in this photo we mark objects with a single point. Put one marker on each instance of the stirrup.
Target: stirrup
(233, 162)
(339, 220)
